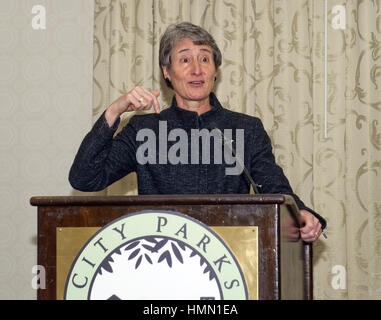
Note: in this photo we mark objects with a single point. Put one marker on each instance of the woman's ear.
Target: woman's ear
(165, 72)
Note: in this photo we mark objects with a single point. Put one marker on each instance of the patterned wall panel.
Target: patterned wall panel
(46, 102)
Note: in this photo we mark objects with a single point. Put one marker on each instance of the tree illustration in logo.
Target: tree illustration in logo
(152, 268)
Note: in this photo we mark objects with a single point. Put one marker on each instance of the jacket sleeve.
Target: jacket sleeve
(102, 159)
(268, 174)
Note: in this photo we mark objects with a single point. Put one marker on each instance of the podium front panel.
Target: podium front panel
(242, 241)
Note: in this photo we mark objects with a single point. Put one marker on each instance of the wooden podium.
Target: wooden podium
(284, 261)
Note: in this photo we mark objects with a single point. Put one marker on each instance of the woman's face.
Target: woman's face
(192, 71)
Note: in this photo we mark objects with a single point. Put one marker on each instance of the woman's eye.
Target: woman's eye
(204, 59)
(184, 60)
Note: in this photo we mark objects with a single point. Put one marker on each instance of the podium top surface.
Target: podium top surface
(163, 199)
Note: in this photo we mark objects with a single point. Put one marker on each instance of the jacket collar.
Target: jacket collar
(214, 104)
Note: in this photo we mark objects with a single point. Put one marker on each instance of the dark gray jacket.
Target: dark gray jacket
(102, 159)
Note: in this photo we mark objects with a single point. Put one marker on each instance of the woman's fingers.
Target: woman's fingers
(138, 98)
(312, 228)
(132, 101)
(147, 99)
(156, 104)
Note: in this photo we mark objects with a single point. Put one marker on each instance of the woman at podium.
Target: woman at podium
(195, 146)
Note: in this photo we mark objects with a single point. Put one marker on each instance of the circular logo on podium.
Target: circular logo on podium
(155, 255)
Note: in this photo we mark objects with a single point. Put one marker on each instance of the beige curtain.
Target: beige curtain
(327, 138)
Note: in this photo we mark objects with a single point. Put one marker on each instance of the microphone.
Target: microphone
(255, 186)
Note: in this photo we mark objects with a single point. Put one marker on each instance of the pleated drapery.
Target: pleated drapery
(316, 90)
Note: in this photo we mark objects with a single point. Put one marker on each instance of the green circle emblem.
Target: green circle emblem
(155, 255)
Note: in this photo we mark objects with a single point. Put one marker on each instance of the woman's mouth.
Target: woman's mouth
(196, 83)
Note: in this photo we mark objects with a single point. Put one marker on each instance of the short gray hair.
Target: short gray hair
(179, 31)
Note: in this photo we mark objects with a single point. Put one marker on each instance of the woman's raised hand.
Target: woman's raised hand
(138, 98)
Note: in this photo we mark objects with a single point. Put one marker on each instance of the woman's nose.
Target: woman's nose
(196, 67)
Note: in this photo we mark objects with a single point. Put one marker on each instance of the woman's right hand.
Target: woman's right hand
(138, 98)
